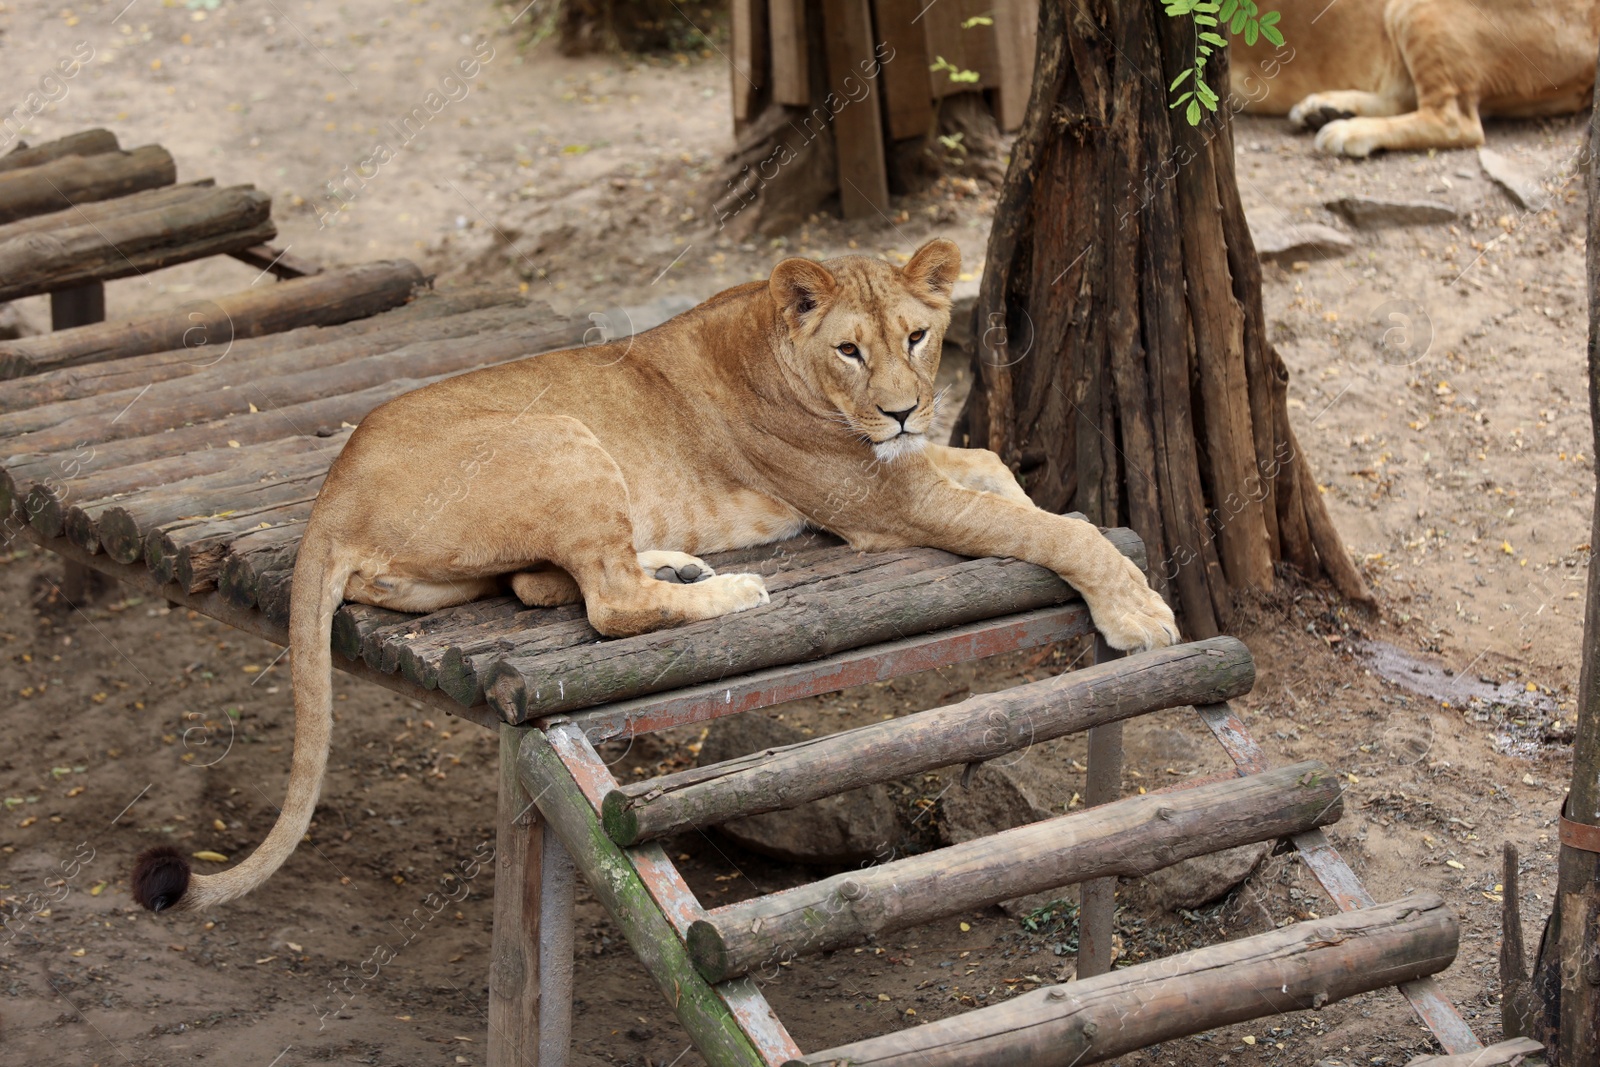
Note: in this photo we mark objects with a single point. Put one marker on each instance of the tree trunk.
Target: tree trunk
(1123, 364)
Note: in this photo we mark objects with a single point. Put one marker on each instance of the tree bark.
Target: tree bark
(1123, 367)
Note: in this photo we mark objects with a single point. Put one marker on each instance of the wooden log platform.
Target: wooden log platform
(979, 728)
(1132, 836)
(208, 328)
(1306, 965)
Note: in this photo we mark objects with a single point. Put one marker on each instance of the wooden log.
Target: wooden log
(1134, 836)
(207, 328)
(857, 125)
(515, 980)
(255, 554)
(1306, 965)
(979, 728)
(214, 222)
(714, 1030)
(1503, 1053)
(1097, 898)
(190, 551)
(67, 180)
(83, 143)
(425, 318)
(104, 210)
(205, 399)
(792, 629)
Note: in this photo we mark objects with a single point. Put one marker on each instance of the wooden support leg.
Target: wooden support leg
(530, 971)
(1097, 902)
(79, 306)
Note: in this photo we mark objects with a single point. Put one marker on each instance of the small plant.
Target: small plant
(1241, 16)
(956, 73)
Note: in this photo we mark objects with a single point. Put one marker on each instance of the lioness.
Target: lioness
(1371, 74)
(800, 401)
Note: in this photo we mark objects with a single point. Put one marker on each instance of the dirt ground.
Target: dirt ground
(1452, 442)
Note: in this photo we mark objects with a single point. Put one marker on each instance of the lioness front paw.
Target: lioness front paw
(1315, 112)
(1357, 138)
(1134, 617)
(735, 592)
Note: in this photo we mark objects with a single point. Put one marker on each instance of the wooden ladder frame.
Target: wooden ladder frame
(642, 889)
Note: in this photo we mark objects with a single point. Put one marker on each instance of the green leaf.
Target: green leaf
(1179, 80)
(1270, 18)
(1228, 8)
(1204, 20)
(1204, 53)
(1193, 114)
(1251, 9)
(1250, 32)
(1206, 9)
(1239, 19)
(1179, 101)
(1272, 34)
(1211, 38)
(977, 20)
(1207, 97)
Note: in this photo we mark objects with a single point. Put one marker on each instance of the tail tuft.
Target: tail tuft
(160, 877)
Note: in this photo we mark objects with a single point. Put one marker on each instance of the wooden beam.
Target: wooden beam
(1307, 965)
(1498, 1055)
(65, 181)
(1016, 30)
(214, 221)
(525, 683)
(713, 1028)
(1134, 836)
(908, 103)
(853, 98)
(980, 728)
(277, 262)
(1097, 898)
(207, 329)
(789, 48)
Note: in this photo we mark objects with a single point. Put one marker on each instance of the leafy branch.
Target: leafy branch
(1240, 16)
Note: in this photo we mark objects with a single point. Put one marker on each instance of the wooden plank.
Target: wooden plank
(1308, 964)
(1097, 899)
(569, 813)
(212, 223)
(207, 328)
(790, 51)
(968, 48)
(515, 981)
(1341, 883)
(776, 685)
(791, 629)
(1496, 1055)
(277, 262)
(853, 100)
(1016, 29)
(672, 895)
(979, 728)
(747, 30)
(907, 100)
(84, 143)
(1131, 837)
(389, 329)
(67, 180)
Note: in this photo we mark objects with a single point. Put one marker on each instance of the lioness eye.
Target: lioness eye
(850, 350)
(917, 336)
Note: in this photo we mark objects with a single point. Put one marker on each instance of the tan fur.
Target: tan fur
(737, 423)
(1412, 74)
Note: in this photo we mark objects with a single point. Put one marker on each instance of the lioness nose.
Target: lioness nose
(901, 416)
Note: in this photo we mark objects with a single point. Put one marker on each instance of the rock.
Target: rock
(860, 826)
(1205, 878)
(1523, 188)
(1276, 239)
(1369, 213)
(994, 799)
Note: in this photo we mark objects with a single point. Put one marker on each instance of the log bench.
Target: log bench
(188, 470)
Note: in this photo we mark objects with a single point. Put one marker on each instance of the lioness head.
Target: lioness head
(866, 336)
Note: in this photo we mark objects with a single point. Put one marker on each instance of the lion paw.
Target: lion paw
(1357, 138)
(679, 568)
(1315, 112)
(1134, 617)
(736, 592)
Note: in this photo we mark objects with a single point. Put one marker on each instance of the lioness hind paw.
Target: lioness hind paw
(679, 568)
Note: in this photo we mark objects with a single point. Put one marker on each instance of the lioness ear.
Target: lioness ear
(800, 287)
(933, 269)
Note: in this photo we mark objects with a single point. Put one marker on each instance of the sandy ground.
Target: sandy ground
(1456, 455)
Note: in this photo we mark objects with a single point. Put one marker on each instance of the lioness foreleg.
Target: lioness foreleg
(1125, 609)
(977, 468)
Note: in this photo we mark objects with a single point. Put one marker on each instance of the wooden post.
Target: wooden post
(979, 728)
(857, 125)
(1097, 900)
(1133, 836)
(1306, 965)
(79, 306)
(530, 970)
